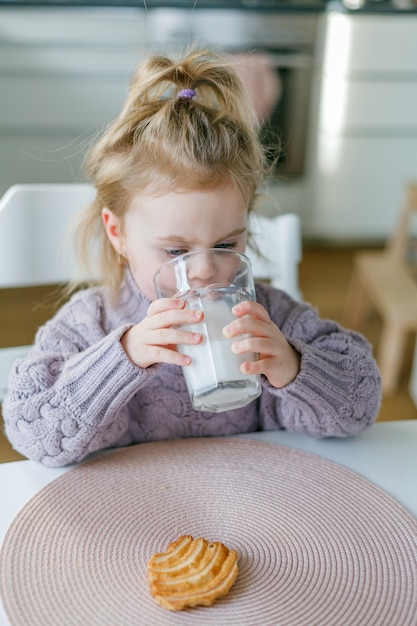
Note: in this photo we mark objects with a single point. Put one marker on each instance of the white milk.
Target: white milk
(214, 379)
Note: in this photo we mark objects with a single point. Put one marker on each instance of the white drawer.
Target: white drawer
(368, 105)
(55, 60)
(370, 44)
(73, 26)
(360, 186)
(33, 102)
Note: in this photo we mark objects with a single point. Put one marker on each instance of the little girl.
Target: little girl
(176, 172)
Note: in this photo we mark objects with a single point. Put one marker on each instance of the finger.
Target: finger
(254, 309)
(256, 345)
(253, 368)
(165, 304)
(250, 368)
(159, 354)
(175, 317)
(174, 336)
(250, 325)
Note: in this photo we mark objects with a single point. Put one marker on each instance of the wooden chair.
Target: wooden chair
(34, 222)
(385, 280)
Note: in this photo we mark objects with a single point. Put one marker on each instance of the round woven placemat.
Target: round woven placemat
(317, 544)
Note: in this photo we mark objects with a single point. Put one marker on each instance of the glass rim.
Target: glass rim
(188, 255)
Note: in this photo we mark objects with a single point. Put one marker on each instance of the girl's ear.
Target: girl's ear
(113, 230)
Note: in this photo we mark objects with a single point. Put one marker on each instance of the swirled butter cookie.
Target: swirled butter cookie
(192, 572)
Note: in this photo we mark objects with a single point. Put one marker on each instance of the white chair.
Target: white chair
(278, 240)
(34, 249)
(34, 221)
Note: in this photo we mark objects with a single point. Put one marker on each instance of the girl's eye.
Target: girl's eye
(175, 252)
(226, 246)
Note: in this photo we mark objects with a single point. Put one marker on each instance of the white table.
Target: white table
(386, 455)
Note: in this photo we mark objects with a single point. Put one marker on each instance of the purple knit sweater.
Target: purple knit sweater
(78, 392)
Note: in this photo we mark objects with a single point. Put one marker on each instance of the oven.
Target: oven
(275, 46)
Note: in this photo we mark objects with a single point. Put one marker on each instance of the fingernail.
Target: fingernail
(196, 337)
(236, 347)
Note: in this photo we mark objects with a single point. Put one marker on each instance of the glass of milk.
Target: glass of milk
(212, 281)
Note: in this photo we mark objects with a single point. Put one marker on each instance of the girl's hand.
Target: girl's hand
(277, 360)
(154, 340)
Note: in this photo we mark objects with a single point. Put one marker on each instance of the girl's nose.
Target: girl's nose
(202, 269)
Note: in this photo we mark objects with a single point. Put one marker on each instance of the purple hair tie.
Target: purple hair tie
(186, 93)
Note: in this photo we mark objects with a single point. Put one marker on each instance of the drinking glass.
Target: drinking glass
(213, 281)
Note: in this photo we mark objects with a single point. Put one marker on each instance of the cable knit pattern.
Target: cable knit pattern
(78, 392)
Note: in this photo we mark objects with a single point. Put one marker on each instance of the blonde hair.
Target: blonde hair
(161, 141)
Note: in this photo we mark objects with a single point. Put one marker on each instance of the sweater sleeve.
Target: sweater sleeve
(337, 391)
(69, 396)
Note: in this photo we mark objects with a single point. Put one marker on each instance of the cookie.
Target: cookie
(192, 572)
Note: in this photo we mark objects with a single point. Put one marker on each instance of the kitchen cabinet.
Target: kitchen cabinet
(64, 74)
(363, 132)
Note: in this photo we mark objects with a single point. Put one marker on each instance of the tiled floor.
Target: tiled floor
(324, 279)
